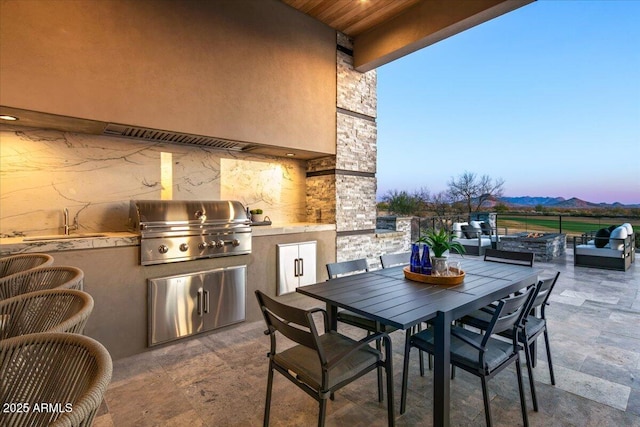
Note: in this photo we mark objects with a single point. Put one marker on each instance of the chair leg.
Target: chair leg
(322, 415)
(405, 374)
(267, 404)
(388, 366)
(485, 398)
(379, 371)
(546, 344)
(523, 402)
(527, 352)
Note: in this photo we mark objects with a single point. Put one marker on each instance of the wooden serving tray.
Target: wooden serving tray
(435, 280)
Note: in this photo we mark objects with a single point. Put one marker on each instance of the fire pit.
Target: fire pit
(545, 246)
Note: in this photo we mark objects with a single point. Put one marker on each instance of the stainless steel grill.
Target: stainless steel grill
(176, 230)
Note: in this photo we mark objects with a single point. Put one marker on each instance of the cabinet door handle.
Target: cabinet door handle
(301, 266)
(206, 301)
(295, 267)
(199, 303)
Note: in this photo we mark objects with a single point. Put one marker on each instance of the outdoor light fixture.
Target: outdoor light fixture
(8, 118)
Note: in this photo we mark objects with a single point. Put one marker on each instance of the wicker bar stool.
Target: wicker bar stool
(41, 278)
(51, 310)
(72, 375)
(17, 263)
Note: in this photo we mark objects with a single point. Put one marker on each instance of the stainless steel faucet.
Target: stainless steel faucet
(68, 227)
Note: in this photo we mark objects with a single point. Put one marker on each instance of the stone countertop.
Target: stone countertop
(23, 245)
(31, 244)
(290, 228)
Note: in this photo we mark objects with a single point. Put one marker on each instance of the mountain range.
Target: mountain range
(557, 202)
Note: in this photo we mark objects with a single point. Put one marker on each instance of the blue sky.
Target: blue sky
(546, 97)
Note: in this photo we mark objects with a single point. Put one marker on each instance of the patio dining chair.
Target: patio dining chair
(508, 257)
(70, 371)
(534, 324)
(320, 364)
(346, 268)
(51, 310)
(479, 353)
(394, 260)
(22, 262)
(40, 278)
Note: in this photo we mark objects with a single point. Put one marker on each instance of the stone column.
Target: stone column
(342, 189)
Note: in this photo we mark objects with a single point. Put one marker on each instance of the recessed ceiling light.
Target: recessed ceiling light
(290, 154)
(10, 118)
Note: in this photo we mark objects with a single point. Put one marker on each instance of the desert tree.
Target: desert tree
(473, 190)
(401, 202)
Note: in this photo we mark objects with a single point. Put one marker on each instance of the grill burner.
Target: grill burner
(176, 230)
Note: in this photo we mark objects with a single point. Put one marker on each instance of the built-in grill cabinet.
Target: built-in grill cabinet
(184, 305)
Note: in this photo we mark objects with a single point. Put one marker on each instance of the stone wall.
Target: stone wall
(356, 153)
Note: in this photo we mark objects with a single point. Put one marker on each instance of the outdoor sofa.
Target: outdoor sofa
(475, 236)
(611, 249)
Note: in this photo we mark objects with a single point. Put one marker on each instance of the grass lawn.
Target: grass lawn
(550, 224)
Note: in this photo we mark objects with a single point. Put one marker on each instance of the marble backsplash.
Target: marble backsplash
(44, 171)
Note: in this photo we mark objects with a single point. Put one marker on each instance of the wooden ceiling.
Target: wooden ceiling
(352, 17)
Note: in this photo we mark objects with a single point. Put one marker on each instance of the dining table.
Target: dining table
(391, 299)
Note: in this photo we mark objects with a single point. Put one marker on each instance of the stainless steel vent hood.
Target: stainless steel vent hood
(173, 137)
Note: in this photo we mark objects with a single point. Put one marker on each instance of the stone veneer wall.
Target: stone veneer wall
(343, 189)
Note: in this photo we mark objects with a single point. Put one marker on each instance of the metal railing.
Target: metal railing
(571, 225)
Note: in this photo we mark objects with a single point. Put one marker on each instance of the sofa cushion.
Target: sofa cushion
(616, 237)
(603, 252)
(602, 237)
(629, 228)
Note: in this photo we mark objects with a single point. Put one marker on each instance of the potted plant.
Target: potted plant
(440, 242)
(256, 215)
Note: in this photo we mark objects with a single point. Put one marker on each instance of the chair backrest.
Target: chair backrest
(51, 310)
(508, 257)
(41, 278)
(392, 260)
(345, 268)
(73, 371)
(292, 322)
(22, 262)
(544, 292)
(510, 313)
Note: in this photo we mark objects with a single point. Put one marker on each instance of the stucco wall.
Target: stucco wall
(251, 70)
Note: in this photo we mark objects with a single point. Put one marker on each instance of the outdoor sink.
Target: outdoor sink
(64, 237)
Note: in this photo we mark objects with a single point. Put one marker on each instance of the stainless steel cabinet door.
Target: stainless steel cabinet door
(173, 308)
(184, 305)
(224, 297)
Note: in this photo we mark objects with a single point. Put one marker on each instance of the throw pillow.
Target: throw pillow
(467, 230)
(612, 227)
(629, 228)
(616, 237)
(486, 228)
(602, 237)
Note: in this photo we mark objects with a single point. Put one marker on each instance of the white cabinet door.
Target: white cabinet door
(296, 266)
(308, 263)
(287, 268)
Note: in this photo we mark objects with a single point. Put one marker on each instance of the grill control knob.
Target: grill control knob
(219, 244)
(235, 242)
(211, 244)
(163, 249)
(202, 246)
(184, 247)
